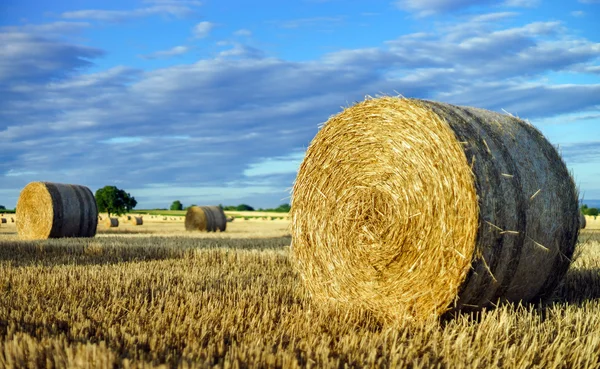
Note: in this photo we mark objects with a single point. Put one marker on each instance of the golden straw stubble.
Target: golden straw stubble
(54, 210)
(409, 208)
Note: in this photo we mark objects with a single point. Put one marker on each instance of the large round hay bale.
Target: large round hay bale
(136, 220)
(412, 208)
(53, 210)
(582, 221)
(205, 218)
(110, 222)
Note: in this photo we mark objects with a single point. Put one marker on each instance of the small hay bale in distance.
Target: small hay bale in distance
(54, 210)
(411, 208)
(582, 221)
(136, 221)
(3, 220)
(110, 222)
(205, 218)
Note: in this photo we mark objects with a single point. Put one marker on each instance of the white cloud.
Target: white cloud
(309, 22)
(53, 29)
(430, 7)
(578, 13)
(241, 51)
(203, 29)
(243, 33)
(169, 8)
(522, 3)
(174, 51)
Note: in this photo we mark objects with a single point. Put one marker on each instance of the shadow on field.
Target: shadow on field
(579, 285)
(113, 250)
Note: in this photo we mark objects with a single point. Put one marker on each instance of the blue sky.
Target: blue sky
(215, 101)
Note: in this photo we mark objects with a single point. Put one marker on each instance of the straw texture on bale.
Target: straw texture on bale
(411, 208)
(54, 210)
(111, 222)
(136, 221)
(205, 218)
(582, 221)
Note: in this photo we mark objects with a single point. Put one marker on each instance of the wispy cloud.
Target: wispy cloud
(425, 8)
(430, 7)
(52, 29)
(175, 9)
(578, 13)
(203, 29)
(174, 51)
(309, 22)
(243, 33)
(28, 57)
(522, 3)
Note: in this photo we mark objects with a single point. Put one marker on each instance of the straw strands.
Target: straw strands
(411, 208)
(53, 210)
(205, 218)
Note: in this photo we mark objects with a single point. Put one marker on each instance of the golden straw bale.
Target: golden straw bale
(53, 210)
(136, 221)
(411, 208)
(12, 219)
(110, 222)
(582, 221)
(205, 218)
(3, 220)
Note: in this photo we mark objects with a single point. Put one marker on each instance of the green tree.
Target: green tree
(112, 200)
(176, 205)
(593, 212)
(2, 207)
(283, 208)
(244, 207)
(584, 209)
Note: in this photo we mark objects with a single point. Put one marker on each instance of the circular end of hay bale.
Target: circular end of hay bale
(384, 210)
(35, 212)
(582, 221)
(195, 219)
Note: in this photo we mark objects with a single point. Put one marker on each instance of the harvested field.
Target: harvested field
(200, 302)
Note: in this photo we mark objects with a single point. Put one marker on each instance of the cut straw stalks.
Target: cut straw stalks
(411, 208)
(54, 210)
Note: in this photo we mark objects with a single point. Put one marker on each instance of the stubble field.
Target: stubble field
(156, 296)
